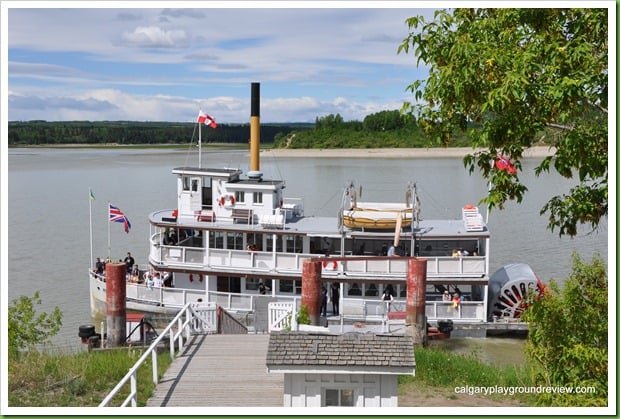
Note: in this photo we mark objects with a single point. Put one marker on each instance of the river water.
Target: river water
(48, 211)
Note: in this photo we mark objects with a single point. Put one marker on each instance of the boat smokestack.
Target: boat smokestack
(254, 171)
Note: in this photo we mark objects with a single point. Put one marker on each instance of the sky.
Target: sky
(104, 61)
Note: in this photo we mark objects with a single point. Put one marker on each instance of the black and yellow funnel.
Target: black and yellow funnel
(254, 172)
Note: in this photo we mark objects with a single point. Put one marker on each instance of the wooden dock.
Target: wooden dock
(220, 371)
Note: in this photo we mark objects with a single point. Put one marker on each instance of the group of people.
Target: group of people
(129, 261)
(454, 298)
(334, 297)
(463, 252)
(150, 279)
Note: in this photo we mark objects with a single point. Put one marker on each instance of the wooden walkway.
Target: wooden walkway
(220, 370)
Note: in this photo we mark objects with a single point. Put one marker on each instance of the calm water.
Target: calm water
(48, 211)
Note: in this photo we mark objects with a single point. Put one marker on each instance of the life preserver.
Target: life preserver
(334, 264)
(227, 200)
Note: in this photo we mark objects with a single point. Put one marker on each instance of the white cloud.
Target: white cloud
(155, 37)
(162, 64)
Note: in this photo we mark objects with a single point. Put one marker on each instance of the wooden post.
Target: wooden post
(416, 299)
(116, 291)
(311, 289)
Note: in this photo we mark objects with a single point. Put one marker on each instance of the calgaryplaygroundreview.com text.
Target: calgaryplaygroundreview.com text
(512, 390)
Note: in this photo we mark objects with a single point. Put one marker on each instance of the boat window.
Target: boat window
(354, 290)
(195, 183)
(235, 241)
(257, 197)
(371, 290)
(186, 183)
(240, 196)
(251, 284)
(285, 286)
(216, 238)
(294, 244)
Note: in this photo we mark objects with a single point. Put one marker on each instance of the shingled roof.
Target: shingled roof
(346, 353)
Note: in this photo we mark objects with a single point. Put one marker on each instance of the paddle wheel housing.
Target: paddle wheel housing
(511, 289)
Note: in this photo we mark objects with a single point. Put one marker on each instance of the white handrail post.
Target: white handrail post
(171, 343)
(134, 389)
(188, 320)
(180, 333)
(155, 380)
(294, 325)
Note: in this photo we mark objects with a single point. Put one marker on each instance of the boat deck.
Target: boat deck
(220, 371)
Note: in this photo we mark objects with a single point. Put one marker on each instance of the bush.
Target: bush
(567, 341)
(26, 329)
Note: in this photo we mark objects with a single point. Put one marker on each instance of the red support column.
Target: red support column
(416, 299)
(116, 291)
(311, 289)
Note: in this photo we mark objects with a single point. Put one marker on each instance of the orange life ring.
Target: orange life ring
(231, 199)
(222, 201)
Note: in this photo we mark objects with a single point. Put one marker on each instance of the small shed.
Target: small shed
(350, 369)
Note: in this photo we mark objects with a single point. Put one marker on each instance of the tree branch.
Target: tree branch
(560, 126)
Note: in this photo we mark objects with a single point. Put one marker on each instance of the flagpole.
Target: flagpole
(109, 246)
(199, 145)
(90, 222)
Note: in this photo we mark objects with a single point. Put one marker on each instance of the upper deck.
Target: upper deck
(321, 226)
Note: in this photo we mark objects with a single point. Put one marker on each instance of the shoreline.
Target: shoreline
(395, 153)
(382, 153)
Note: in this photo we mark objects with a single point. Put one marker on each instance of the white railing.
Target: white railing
(466, 310)
(199, 318)
(243, 262)
(281, 316)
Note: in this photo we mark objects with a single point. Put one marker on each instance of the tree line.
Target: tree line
(382, 129)
(133, 132)
(387, 128)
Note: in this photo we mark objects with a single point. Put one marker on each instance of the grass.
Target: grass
(38, 379)
(84, 379)
(445, 370)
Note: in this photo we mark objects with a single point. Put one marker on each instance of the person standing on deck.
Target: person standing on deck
(335, 298)
(388, 297)
(323, 309)
(129, 261)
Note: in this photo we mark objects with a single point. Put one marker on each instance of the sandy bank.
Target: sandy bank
(387, 153)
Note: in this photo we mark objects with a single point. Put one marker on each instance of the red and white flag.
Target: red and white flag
(504, 163)
(203, 118)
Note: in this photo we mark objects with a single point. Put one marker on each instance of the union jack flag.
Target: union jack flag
(117, 216)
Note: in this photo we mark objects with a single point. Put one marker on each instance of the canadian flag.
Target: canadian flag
(503, 163)
(203, 118)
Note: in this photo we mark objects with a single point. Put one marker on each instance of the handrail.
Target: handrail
(132, 375)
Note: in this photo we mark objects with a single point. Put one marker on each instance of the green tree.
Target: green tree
(513, 78)
(384, 121)
(567, 339)
(26, 328)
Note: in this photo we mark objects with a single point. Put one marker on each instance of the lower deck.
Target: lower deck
(359, 302)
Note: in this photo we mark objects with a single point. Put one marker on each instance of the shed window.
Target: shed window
(338, 397)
